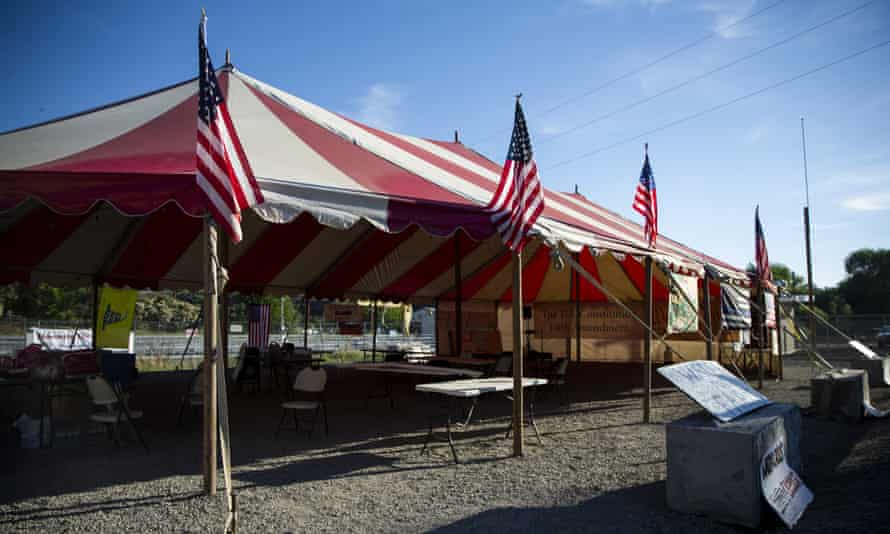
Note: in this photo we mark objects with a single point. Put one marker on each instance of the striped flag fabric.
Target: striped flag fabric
(645, 201)
(519, 199)
(223, 172)
(258, 324)
(764, 274)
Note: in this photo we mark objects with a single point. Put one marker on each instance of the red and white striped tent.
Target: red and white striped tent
(109, 196)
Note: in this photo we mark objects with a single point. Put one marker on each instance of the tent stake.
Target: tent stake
(647, 346)
(210, 346)
(517, 355)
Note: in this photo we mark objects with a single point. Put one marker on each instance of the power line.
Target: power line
(719, 106)
(651, 64)
(709, 73)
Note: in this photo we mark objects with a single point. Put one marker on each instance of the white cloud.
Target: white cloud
(879, 201)
(725, 13)
(378, 106)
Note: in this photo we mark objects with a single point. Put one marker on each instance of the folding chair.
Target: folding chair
(112, 409)
(309, 388)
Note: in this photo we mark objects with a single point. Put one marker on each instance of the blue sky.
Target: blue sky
(428, 68)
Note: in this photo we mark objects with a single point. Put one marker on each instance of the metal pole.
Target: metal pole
(210, 346)
(458, 299)
(517, 355)
(806, 227)
(647, 346)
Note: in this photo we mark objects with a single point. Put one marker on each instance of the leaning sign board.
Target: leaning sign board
(718, 391)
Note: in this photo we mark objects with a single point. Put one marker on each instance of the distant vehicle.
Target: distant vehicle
(883, 337)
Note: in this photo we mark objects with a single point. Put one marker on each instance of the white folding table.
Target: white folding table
(473, 389)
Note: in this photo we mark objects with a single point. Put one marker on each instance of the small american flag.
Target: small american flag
(223, 172)
(645, 201)
(258, 324)
(519, 199)
(764, 274)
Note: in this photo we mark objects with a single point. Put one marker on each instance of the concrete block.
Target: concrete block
(840, 394)
(878, 370)
(713, 468)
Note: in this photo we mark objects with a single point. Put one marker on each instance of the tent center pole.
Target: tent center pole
(210, 356)
(647, 346)
(577, 311)
(709, 340)
(305, 321)
(517, 355)
(458, 299)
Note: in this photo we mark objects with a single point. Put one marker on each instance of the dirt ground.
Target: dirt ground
(597, 468)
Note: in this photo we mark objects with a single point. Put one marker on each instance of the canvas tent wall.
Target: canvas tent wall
(108, 196)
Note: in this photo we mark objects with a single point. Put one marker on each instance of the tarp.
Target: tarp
(350, 210)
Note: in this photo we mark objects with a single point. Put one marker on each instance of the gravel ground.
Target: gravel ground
(599, 468)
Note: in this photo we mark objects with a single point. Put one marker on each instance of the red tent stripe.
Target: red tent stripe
(349, 270)
(589, 292)
(155, 248)
(429, 268)
(475, 283)
(636, 271)
(32, 239)
(272, 252)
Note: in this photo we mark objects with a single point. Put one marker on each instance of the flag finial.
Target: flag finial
(518, 96)
(646, 148)
(203, 13)
(228, 57)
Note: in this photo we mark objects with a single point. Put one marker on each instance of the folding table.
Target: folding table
(472, 389)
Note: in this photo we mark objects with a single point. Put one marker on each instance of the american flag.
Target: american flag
(764, 274)
(519, 199)
(645, 202)
(258, 324)
(223, 172)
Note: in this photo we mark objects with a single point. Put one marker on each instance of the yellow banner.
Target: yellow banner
(115, 320)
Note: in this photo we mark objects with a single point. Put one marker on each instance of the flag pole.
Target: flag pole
(210, 346)
(647, 346)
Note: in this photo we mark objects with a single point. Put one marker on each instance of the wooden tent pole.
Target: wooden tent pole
(647, 346)
(210, 346)
(305, 321)
(374, 321)
(761, 341)
(95, 313)
(577, 311)
(517, 355)
(709, 339)
(458, 299)
(781, 337)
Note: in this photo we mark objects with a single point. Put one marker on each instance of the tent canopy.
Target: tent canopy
(109, 196)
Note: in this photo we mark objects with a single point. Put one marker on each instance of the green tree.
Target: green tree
(794, 283)
(867, 285)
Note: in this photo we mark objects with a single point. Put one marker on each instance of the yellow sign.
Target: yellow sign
(115, 320)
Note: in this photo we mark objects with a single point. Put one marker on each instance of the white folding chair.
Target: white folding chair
(309, 388)
(109, 411)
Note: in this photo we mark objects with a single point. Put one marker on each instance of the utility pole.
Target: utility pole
(806, 228)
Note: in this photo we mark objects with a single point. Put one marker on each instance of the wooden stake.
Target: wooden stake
(517, 355)
(210, 347)
(305, 321)
(647, 346)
